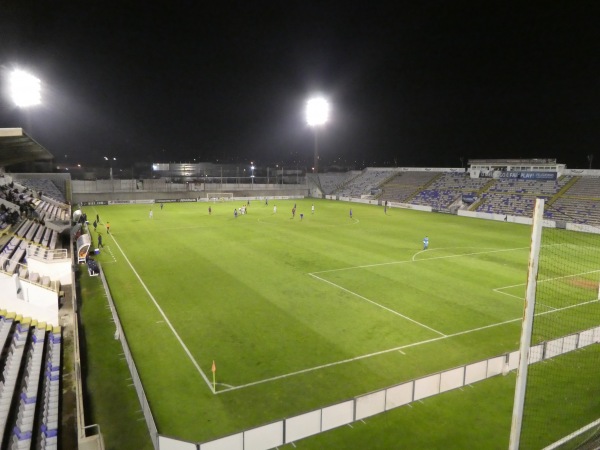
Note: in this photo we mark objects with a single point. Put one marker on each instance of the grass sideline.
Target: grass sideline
(106, 377)
(301, 314)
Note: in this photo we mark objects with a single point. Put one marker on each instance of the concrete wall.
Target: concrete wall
(258, 191)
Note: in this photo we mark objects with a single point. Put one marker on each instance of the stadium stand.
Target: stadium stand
(330, 182)
(405, 185)
(579, 204)
(448, 188)
(365, 183)
(44, 186)
(23, 372)
(517, 197)
(33, 214)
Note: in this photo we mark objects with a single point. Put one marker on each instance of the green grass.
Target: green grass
(105, 373)
(302, 314)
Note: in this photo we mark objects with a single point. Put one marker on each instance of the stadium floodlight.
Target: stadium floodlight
(110, 161)
(252, 175)
(24, 89)
(317, 114)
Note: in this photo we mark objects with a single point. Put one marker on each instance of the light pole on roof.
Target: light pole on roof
(317, 115)
(110, 161)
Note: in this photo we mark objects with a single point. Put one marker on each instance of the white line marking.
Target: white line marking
(162, 313)
(499, 289)
(420, 260)
(382, 352)
(377, 304)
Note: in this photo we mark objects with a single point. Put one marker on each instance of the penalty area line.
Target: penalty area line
(406, 261)
(377, 304)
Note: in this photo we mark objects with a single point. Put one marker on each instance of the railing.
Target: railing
(120, 334)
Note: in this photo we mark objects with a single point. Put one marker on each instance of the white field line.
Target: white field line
(420, 260)
(499, 290)
(402, 347)
(314, 275)
(395, 349)
(167, 321)
(376, 304)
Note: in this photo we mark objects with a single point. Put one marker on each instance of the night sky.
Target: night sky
(418, 83)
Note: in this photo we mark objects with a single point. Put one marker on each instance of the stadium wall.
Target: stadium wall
(126, 190)
(29, 299)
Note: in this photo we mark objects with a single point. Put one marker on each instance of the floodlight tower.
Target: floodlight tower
(317, 115)
(110, 161)
(24, 89)
(252, 175)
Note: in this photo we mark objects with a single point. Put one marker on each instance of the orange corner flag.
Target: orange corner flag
(214, 370)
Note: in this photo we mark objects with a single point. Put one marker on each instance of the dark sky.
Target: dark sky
(411, 83)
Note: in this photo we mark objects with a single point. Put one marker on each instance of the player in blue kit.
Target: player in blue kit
(425, 243)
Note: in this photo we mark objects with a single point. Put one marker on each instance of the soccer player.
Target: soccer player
(294, 211)
(312, 208)
(301, 216)
(209, 211)
(425, 243)
(274, 209)
(107, 227)
(150, 215)
(100, 241)
(351, 213)
(235, 212)
(161, 206)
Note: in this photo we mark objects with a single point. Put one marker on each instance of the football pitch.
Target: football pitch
(299, 313)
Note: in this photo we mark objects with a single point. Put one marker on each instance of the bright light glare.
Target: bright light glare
(24, 89)
(317, 111)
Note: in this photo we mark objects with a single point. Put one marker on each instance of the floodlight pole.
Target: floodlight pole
(316, 163)
(317, 114)
(110, 160)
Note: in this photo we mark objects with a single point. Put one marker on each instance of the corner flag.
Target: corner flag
(214, 371)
